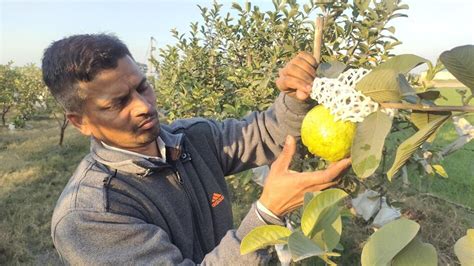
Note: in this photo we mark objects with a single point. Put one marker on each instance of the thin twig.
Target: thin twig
(318, 37)
(421, 107)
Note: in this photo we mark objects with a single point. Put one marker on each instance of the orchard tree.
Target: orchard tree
(22, 91)
(57, 112)
(227, 67)
(31, 91)
(8, 90)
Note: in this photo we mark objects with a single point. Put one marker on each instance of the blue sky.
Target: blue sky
(28, 27)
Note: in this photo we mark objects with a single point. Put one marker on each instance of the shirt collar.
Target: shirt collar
(161, 147)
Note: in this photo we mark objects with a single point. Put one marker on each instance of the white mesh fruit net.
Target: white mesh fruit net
(342, 99)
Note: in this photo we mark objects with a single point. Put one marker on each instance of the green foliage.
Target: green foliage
(416, 253)
(302, 247)
(369, 142)
(227, 66)
(460, 62)
(21, 90)
(31, 91)
(409, 146)
(395, 244)
(263, 236)
(386, 82)
(319, 209)
(464, 248)
(8, 77)
(320, 231)
(357, 32)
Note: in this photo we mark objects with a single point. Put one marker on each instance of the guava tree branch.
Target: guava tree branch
(318, 37)
(421, 107)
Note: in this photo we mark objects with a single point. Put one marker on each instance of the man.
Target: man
(156, 194)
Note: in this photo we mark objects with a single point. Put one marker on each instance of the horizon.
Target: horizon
(28, 27)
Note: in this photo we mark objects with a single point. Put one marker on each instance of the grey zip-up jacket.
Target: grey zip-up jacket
(122, 209)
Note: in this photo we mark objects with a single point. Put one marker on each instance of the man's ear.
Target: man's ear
(79, 122)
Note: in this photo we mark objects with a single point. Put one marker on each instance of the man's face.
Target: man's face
(120, 107)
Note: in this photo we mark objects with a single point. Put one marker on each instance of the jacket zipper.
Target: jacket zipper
(196, 227)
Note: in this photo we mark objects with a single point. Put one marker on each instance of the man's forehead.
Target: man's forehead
(111, 83)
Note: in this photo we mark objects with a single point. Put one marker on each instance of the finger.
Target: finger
(336, 168)
(280, 82)
(299, 71)
(321, 186)
(308, 58)
(301, 95)
(282, 163)
(289, 82)
(304, 66)
(306, 180)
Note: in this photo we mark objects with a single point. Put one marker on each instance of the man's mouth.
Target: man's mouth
(148, 123)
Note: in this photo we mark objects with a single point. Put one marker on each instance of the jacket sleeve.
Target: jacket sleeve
(84, 237)
(258, 138)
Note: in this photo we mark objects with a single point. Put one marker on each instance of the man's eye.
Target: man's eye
(116, 105)
(143, 87)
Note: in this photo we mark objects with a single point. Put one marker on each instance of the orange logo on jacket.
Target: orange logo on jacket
(216, 199)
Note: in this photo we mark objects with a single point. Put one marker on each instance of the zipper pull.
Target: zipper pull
(178, 177)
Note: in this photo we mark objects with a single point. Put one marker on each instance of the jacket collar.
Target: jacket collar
(136, 164)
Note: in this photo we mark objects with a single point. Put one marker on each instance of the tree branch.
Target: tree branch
(318, 36)
(421, 107)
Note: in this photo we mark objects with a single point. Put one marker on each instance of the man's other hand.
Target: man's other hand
(296, 78)
(284, 189)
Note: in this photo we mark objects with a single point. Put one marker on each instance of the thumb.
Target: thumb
(284, 159)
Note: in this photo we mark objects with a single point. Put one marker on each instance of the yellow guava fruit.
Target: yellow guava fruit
(326, 138)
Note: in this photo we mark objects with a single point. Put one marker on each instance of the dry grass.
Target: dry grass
(34, 170)
(441, 224)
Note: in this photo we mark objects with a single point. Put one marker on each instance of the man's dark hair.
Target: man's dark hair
(79, 58)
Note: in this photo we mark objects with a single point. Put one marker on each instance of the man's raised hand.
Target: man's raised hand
(296, 78)
(284, 189)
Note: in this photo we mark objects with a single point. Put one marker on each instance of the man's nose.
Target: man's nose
(141, 107)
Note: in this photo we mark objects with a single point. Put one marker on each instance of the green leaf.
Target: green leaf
(264, 236)
(402, 63)
(429, 95)
(381, 85)
(406, 90)
(236, 6)
(302, 247)
(328, 238)
(439, 169)
(368, 143)
(388, 241)
(331, 69)
(327, 218)
(391, 29)
(416, 253)
(421, 119)
(409, 146)
(460, 62)
(464, 248)
(314, 210)
(308, 196)
(324, 1)
(384, 83)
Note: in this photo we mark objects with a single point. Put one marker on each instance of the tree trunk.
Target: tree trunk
(63, 127)
(4, 113)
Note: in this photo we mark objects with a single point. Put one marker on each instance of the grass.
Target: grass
(34, 170)
(459, 187)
